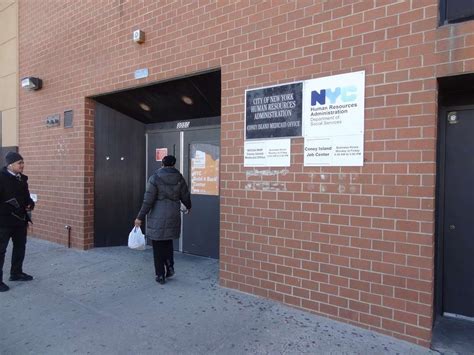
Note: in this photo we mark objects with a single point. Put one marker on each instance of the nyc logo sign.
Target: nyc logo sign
(334, 105)
(340, 94)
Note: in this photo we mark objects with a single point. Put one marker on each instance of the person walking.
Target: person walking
(15, 204)
(165, 191)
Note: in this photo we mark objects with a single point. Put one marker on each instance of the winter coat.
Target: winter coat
(16, 191)
(165, 189)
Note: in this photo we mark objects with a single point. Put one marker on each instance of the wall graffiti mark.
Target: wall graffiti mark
(62, 148)
(255, 172)
(265, 186)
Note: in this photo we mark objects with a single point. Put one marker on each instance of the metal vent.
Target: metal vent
(68, 119)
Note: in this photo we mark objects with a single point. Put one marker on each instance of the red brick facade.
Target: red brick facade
(354, 244)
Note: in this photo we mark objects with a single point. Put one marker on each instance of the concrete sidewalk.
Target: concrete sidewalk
(106, 301)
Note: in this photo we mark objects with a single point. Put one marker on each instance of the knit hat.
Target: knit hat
(168, 160)
(12, 157)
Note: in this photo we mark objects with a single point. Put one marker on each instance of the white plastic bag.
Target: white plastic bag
(136, 239)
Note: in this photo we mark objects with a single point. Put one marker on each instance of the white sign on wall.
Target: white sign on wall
(266, 153)
(330, 151)
(333, 120)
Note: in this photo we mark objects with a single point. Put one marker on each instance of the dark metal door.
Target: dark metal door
(118, 176)
(161, 144)
(198, 161)
(201, 226)
(458, 273)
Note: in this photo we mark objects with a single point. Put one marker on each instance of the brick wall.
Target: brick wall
(354, 244)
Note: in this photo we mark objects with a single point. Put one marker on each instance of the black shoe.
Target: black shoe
(160, 279)
(3, 287)
(21, 277)
(169, 271)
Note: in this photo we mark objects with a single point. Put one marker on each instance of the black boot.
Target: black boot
(3, 287)
(160, 279)
(21, 277)
(169, 269)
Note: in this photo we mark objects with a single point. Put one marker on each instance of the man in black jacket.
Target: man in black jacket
(15, 203)
(165, 191)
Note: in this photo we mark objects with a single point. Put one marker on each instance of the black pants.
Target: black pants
(162, 255)
(18, 235)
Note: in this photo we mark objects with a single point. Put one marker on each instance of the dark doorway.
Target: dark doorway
(197, 151)
(125, 123)
(454, 308)
(458, 224)
(161, 143)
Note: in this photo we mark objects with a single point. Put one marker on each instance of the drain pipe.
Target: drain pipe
(68, 227)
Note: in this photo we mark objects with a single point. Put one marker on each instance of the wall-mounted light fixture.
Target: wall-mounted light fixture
(31, 83)
(452, 117)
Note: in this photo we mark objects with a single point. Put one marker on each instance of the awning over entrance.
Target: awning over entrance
(189, 97)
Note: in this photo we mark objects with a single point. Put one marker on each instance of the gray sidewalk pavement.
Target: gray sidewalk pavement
(106, 301)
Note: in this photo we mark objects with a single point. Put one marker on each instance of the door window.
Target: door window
(204, 169)
(452, 11)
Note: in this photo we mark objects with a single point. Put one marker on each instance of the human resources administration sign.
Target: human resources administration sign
(333, 120)
(274, 112)
(328, 112)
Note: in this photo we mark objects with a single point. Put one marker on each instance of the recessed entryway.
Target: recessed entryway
(454, 306)
(133, 128)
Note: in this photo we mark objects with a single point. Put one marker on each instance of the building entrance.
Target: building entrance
(132, 128)
(458, 224)
(197, 152)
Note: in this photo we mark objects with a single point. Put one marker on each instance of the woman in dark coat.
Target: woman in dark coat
(165, 191)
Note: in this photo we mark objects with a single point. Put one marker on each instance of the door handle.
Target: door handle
(452, 227)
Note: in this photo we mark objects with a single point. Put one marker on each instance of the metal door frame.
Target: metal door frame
(181, 158)
(440, 208)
